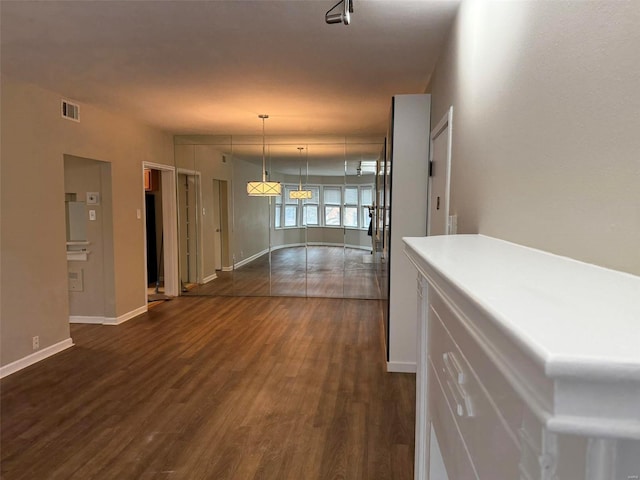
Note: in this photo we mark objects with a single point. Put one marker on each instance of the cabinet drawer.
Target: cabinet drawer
(488, 427)
(452, 446)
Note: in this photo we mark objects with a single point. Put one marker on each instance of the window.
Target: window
(290, 208)
(278, 212)
(351, 207)
(310, 207)
(366, 201)
(332, 205)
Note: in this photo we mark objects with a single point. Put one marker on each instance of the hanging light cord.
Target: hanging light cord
(264, 163)
(300, 168)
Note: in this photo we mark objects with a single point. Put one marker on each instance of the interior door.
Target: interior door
(217, 229)
(439, 181)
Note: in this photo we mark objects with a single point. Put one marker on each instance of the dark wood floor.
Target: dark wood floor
(215, 388)
(314, 271)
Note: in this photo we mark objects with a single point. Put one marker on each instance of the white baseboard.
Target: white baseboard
(108, 320)
(209, 278)
(401, 367)
(368, 248)
(287, 245)
(251, 258)
(86, 319)
(325, 244)
(127, 316)
(228, 269)
(35, 357)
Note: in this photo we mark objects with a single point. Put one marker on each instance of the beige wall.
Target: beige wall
(546, 144)
(33, 278)
(250, 229)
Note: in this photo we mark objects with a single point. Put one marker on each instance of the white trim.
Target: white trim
(198, 217)
(159, 166)
(287, 245)
(86, 319)
(209, 278)
(169, 227)
(228, 269)
(35, 357)
(127, 316)
(366, 248)
(325, 244)
(251, 258)
(401, 367)
(170, 232)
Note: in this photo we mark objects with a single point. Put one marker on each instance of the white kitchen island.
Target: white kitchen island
(528, 364)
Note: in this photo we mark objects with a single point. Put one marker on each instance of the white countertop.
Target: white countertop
(573, 317)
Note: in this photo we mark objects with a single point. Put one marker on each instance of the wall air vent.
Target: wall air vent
(70, 111)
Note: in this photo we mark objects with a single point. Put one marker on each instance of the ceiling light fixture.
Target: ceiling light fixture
(340, 17)
(300, 194)
(367, 166)
(263, 188)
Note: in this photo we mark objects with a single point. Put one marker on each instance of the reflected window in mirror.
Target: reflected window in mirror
(366, 201)
(291, 208)
(277, 217)
(351, 207)
(342, 206)
(332, 205)
(311, 207)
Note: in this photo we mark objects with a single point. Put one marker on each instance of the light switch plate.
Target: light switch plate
(92, 214)
(76, 281)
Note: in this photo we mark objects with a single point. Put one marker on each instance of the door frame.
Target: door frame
(198, 217)
(445, 124)
(169, 227)
(217, 205)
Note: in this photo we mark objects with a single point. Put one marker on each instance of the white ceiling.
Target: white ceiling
(210, 67)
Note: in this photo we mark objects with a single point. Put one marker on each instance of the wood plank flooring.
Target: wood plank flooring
(317, 271)
(215, 388)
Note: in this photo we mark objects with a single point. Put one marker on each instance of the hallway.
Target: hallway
(216, 388)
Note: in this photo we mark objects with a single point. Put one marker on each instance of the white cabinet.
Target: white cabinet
(529, 366)
(408, 156)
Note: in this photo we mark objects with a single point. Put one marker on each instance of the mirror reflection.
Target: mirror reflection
(318, 238)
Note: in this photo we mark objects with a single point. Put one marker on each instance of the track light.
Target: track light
(343, 16)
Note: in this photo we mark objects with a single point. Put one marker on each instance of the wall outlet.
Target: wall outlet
(36, 342)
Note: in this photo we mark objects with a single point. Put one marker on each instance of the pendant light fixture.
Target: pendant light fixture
(300, 194)
(263, 188)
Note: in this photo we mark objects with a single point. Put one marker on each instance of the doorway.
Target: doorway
(90, 257)
(220, 211)
(154, 234)
(161, 237)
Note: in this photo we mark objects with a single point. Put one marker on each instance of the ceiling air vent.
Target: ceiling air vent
(70, 111)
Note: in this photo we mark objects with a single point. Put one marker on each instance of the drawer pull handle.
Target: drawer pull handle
(453, 368)
(456, 383)
(456, 398)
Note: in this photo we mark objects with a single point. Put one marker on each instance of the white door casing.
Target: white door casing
(440, 177)
(169, 227)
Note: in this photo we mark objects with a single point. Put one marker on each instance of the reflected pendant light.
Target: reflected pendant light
(263, 188)
(300, 194)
